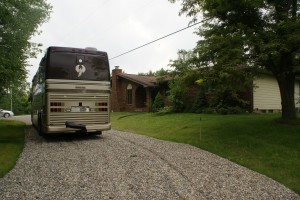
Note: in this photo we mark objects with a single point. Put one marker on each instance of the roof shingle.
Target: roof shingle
(146, 81)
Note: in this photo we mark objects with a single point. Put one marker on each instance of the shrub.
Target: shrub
(165, 110)
(200, 102)
(230, 110)
(236, 110)
(177, 89)
(208, 111)
(158, 103)
(222, 111)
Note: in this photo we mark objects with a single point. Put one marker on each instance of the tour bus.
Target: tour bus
(71, 92)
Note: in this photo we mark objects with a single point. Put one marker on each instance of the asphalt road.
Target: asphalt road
(119, 165)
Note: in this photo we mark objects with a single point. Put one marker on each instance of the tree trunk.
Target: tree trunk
(286, 82)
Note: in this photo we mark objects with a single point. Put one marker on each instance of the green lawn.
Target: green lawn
(254, 141)
(11, 144)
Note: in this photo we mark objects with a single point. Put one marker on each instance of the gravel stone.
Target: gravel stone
(120, 165)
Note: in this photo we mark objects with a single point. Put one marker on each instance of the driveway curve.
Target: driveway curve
(120, 165)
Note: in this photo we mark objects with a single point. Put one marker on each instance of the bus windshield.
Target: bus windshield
(76, 65)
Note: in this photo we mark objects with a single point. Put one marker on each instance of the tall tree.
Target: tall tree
(19, 20)
(263, 34)
(184, 75)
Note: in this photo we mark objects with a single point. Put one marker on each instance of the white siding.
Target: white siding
(266, 95)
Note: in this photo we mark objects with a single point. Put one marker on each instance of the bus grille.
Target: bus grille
(60, 111)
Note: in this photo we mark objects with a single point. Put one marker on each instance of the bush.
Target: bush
(230, 110)
(165, 110)
(200, 102)
(208, 111)
(158, 103)
(222, 111)
(176, 92)
(236, 110)
(178, 105)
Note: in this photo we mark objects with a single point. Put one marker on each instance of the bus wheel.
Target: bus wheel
(97, 133)
(40, 128)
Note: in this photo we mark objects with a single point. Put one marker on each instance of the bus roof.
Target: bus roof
(75, 50)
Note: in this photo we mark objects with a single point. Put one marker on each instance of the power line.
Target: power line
(158, 39)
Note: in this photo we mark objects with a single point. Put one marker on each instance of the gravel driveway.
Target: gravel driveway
(119, 165)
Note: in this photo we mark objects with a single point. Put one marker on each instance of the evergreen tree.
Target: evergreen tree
(200, 102)
(158, 103)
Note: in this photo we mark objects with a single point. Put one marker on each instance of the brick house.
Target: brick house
(133, 93)
(136, 93)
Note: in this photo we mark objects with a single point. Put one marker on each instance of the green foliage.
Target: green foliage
(184, 75)
(19, 20)
(158, 103)
(226, 99)
(12, 137)
(150, 73)
(230, 110)
(208, 111)
(165, 110)
(161, 72)
(225, 84)
(238, 35)
(201, 102)
(176, 95)
(18, 96)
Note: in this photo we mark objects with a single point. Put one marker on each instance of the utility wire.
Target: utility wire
(159, 39)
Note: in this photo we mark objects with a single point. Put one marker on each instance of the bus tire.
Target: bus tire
(97, 133)
(40, 128)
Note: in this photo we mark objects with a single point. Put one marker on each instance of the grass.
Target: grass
(254, 141)
(12, 136)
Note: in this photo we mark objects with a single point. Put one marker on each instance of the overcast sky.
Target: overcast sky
(117, 26)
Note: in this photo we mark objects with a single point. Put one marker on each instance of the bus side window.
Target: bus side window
(41, 70)
(43, 61)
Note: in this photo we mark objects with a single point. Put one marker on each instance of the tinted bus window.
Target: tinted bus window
(77, 66)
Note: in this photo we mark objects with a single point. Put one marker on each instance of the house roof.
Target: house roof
(146, 81)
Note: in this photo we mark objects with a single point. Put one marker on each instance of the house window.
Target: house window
(129, 94)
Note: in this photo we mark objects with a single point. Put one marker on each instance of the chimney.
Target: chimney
(116, 71)
(114, 89)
